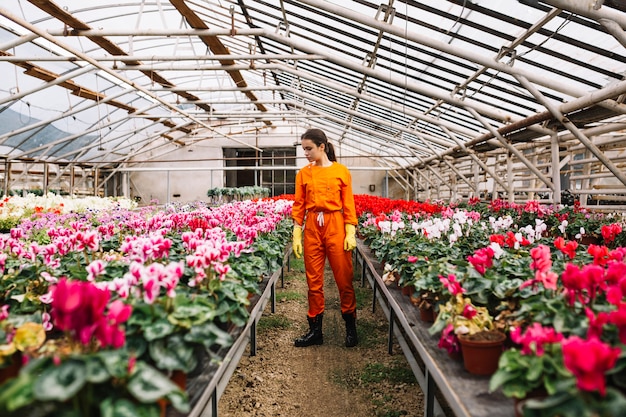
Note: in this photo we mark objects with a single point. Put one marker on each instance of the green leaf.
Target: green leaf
(96, 373)
(209, 334)
(158, 330)
(116, 362)
(123, 407)
(60, 383)
(17, 393)
(148, 385)
(173, 353)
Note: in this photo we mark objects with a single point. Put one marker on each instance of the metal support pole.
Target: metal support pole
(429, 395)
(253, 337)
(556, 168)
(392, 319)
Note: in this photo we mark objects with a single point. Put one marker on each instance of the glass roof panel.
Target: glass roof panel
(403, 74)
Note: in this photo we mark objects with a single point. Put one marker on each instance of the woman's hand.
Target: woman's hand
(349, 242)
(296, 243)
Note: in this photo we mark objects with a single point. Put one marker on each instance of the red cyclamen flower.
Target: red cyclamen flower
(589, 360)
(482, 259)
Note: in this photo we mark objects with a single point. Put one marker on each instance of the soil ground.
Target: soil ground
(327, 380)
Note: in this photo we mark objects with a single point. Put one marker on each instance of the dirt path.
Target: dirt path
(321, 381)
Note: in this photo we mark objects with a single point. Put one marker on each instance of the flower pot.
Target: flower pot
(408, 290)
(589, 240)
(11, 370)
(536, 394)
(427, 314)
(179, 378)
(481, 351)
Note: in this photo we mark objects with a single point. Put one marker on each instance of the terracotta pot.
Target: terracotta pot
(481, 351)
(180, 379)
(589, 240)
(427, 314)
(408, 290)
(13, 369)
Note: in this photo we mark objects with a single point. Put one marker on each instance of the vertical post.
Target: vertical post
(7, 177)
(585, 183)
(386, 183)
(96, 181)
(253, 337)
(45, 178)
(72, 180)
(392, 319)
(556, 168)
(168, 187)
(214, 402)
(476, 177)
(429, 395)
(509, 177)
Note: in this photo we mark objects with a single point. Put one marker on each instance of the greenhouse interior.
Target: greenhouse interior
(154, 196)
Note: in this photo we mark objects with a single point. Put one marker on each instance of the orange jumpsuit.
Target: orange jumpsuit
(326, 190)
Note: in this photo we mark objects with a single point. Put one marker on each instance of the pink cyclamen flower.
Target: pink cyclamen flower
(618, 318)
(469, 311)
(541, 258)
(411, 259)
(452, 284)
(533, 339)
(589, 360)
(482, 259)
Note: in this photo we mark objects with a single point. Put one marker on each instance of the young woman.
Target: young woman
(324, 210)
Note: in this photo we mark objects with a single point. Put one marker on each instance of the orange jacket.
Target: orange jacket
(324, 189)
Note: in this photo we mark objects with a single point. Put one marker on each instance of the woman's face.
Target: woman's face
(313, 152)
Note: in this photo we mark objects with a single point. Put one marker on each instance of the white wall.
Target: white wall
(193, 183)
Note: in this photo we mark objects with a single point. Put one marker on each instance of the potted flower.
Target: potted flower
(85, 369)
(19, 335)
(468, 329)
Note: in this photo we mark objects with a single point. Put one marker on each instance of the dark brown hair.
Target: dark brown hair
(318, 137)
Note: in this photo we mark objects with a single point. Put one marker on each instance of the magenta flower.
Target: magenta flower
(541, 258)
(449, 341)
(534, 338)
(78, 308)
(482, 259)
(618, 318)
(589, 360)
(452, 284)
(469, 311)
(411, 259)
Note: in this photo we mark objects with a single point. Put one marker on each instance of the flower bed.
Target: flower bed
(102, 304)
(520, 270)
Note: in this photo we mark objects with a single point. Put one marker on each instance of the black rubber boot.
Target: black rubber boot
(351, 337)
(314, 336)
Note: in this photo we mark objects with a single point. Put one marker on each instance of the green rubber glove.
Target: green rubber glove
(350, 241)
(296, 244)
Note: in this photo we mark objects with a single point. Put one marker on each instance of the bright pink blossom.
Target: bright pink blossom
(482, 259)
(618, 318)
(469, 311)
(589, 360)
(449, 340)
(541, 260)
(452, 284)
(411, 259)
(78, 308)
(534, 338)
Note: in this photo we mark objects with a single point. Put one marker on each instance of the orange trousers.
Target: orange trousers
(321, 242)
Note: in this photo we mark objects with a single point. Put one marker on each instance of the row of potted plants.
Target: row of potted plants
(526, 271)
(102, 305)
